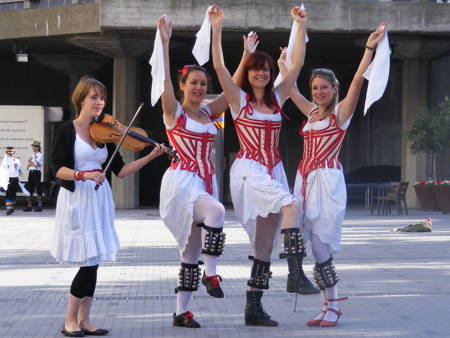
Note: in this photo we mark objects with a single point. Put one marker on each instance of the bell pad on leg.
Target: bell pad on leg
(325, 274)
(214, 240)
(260, 275)
(188, 277)
(294, 244)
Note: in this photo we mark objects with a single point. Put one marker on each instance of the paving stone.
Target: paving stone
(397, 283)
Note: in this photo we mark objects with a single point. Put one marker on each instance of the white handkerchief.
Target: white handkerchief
(290, 47)
(4, 175)
(158, 74)
(378, 73)
(201, 46)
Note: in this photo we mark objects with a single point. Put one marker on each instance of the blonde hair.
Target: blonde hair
(82, 90)
(328, 75)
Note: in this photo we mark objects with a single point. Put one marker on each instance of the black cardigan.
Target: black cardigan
(63, 153)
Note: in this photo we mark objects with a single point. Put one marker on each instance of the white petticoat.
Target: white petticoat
(84, 225)
(179, 191)
(255, 193)
(326, 199)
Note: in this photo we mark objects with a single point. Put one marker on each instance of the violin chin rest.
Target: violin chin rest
(99, 118)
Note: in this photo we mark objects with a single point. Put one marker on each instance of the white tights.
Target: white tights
(321, 253)
(211, 212)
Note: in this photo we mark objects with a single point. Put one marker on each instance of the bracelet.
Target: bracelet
(370, 48)
(79, 176)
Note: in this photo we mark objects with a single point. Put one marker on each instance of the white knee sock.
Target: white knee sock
(183, 298)
(212, 213)
(210, 265)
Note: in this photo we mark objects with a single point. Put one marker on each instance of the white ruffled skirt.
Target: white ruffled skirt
(326, 199)
(256, 193)
(180, 189)
(84, 225)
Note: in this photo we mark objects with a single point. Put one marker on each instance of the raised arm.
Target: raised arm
(348, 104)
(250, 43)
(231, 90)
(303, 104)
(298, 54)
(168, 99)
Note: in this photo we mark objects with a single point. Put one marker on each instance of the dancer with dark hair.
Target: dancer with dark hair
(84, 221)
(189, 203)
(320, 180)
(258, 183)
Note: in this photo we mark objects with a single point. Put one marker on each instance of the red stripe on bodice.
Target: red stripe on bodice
(194, 151)
(258, 139)
(320, 149)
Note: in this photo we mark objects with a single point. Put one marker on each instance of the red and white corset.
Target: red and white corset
(321, 148)
(258, 139)
(194, 151)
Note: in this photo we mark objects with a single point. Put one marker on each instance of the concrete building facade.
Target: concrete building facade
(113, 40)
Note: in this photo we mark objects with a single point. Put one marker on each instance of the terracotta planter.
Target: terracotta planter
(442, 195)
(426, 197)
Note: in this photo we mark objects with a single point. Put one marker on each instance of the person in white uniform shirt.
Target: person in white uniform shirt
(319, 183)
(12, 169)
(35, 165)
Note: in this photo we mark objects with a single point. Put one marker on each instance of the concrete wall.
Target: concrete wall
(50, 21)
(326, 15)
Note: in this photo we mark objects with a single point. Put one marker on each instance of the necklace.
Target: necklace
(197, 114)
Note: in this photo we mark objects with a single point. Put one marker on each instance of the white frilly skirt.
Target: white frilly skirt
(256, 193)
(180, 189)
(84, 232)
(326, 199)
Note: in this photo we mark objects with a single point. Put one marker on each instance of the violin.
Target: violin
(107, 129)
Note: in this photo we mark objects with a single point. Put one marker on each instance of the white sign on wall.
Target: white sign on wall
(19, 127)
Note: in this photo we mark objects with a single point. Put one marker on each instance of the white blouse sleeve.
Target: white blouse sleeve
(242, 104)
(346, 124)
(177, 115)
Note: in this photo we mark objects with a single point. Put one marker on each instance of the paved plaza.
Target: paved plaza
(397, 283)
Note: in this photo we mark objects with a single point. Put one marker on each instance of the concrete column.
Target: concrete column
(125, 190)
(414, 97)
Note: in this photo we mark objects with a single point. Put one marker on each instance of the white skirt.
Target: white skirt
(180, 189)
(84, 225)
(326, 199)
(256, 193)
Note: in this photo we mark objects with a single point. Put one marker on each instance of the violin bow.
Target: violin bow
(121, 141)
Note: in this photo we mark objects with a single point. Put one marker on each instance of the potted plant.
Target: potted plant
(426, 195)
(441, 192)
(430, 133)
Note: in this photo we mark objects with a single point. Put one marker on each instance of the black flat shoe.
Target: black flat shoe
(72, 333)
(98, 332)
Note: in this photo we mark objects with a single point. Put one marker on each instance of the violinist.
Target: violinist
(84, 232)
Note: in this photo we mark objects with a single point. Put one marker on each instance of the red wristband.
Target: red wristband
(79, 176)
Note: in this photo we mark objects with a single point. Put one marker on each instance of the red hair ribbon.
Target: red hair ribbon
(184, 70)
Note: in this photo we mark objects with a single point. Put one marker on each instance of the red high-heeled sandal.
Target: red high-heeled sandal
(329, 323)
(316, 322)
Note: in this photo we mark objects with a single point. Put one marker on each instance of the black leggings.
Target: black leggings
(83, 285)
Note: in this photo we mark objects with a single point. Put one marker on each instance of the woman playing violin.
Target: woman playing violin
(84, 222)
